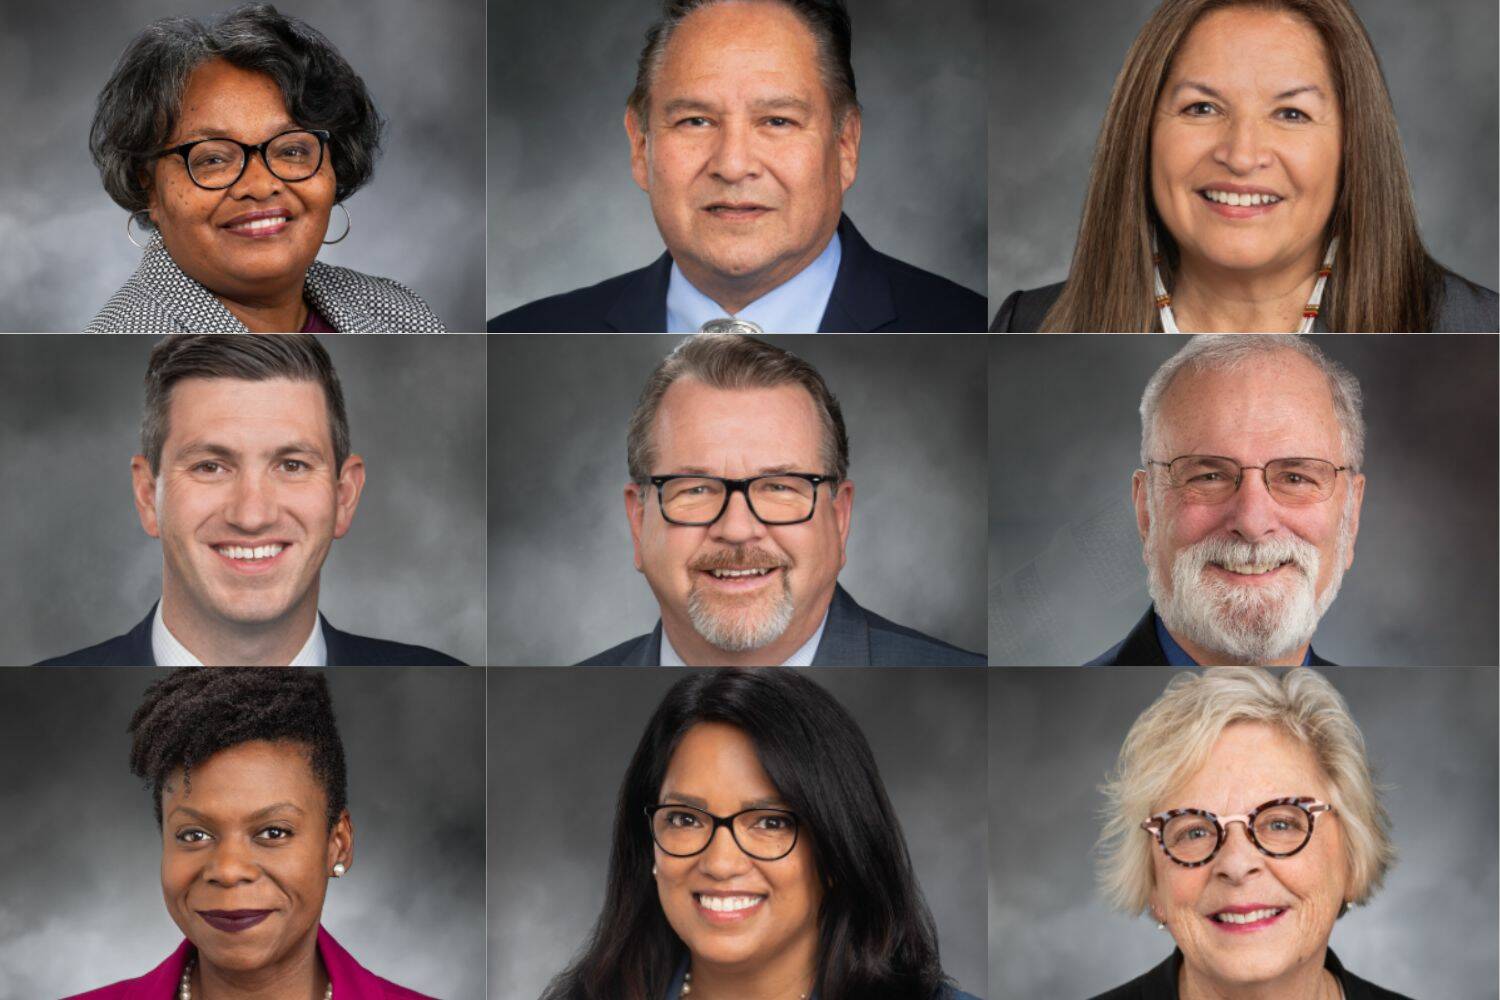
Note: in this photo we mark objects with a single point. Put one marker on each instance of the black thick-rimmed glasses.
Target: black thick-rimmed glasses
(683, 831)
(1295, 482)
(215, 164)
(696, 501)
(1278, 829)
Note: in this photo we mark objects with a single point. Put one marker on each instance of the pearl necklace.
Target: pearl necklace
(185, 989)
(1309, 313)
(687, 987)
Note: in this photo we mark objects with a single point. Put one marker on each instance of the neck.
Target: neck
(217, 642)
(280, 313)
(1211, 658)
(297, 975)
(1308, 981)
(1207, 299)
(786, 976)
(734, 292)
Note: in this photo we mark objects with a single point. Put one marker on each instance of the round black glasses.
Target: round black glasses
(216, 164)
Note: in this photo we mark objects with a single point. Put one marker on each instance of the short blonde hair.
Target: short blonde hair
(1172, 739)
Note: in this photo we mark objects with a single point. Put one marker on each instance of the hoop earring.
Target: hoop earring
(348, 225)
(130, 235)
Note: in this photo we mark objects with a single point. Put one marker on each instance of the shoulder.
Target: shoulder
(1140, 648)
(132, 649)
(954, 993)
(1356, 988)
(1467, 307)
(134, 309)
(1023, 311)
(625, 654)
(893, 645)
(385, 304)
(348, 650)
(1158, 983)
(930, 303)
(392, 991)
(582, 310)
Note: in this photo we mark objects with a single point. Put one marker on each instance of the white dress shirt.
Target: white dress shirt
(795, 306)
(803, 657)
(168, 652)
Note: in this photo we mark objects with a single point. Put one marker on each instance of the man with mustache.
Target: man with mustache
(1247, 501)
(739, 506)
(744, 131)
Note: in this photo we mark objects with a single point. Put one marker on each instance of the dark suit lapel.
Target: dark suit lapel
(138, 640)
(642, 303)
(861, 299)
(1142, 648)
(647, 652)
(846, 635)
(339, 645)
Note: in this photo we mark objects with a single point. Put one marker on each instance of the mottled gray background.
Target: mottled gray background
(562, 583)
(1430, 932)
(78, 569)
(80, 879)
(546, 880)
(418, 221)
(1054, 62)
(1066, 577)
(564, 211)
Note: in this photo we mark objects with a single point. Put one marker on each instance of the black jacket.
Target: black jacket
(1161, 983)
(871, 292)
(1141, 648)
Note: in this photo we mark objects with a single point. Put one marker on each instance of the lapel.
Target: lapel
(846, 635)
(322, 293)
(647, 652)
(191, 306)
(1141, 647)
(138, 640)
(641, 306)
(861, 299)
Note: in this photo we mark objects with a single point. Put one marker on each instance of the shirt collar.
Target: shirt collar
(795, 306)
(803, 657)
(1179, 657)
(169, 652)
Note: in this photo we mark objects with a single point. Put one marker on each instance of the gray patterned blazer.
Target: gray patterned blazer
(160, 298)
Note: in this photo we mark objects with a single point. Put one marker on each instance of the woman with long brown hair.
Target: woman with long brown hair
(1249, 177)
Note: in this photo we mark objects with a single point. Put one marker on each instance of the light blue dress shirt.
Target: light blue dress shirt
(803, 657)
(795, 306)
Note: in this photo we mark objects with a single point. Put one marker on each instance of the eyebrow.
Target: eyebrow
(781, 102)
(768, 802)
(219, 132)
(257, 815)
(212, 448)
(1305, 88)
(765, 470)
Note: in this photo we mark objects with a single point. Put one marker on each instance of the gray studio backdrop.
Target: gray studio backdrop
(564, 211)
(1053, 63)
(79, 569)
(417, 221)
(1066, 576)
(562, 582)
(1430, 932)
(80, 884)
(546, 879)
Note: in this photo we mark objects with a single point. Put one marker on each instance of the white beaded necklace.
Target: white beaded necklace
(1309, 314)
(185, 989)
(687, 987)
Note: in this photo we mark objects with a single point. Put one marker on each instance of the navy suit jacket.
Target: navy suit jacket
(871, 292)
(852, 637)
(1142, 648)
(133, 649)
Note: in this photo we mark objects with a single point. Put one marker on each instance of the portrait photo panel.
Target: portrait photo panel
(1067, 578)
(409, 906)
(563, 584)
(1430, 745)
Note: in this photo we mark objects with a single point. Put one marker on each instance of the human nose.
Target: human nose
(1253, 513)
(722, 858)
(229, 864)
(733, 159)
(738, 524)
(252, 503)
(1242, 149)
(1237, 857)
(256, 180)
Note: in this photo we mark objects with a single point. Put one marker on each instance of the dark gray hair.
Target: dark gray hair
(137, 109)
(828, 20)
(1220, 352)
(731, 361)
(252, 357)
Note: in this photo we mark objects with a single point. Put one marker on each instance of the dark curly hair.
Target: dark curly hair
(137, 109)
(193, 713)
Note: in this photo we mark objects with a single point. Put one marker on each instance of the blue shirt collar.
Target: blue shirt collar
(1179, 657)
(795, 306)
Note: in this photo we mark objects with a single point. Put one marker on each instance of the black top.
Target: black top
(1161, 983)
(871, 292)
(1142, 648)
(1466, 308)
(133, 649)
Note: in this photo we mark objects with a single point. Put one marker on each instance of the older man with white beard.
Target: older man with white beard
(1247, 502)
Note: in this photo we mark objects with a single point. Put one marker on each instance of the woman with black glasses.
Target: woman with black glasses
(756, 854)
(231, 143)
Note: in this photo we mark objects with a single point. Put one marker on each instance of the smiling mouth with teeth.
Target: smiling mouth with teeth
(735, 574)
(1254, 916)
(1239, 200)
(255, 225)
(246, 553)
(728, 904)
(1251, 569)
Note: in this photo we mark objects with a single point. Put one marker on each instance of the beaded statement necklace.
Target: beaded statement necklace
(1309, 312)
(185, 988)
(687, 987)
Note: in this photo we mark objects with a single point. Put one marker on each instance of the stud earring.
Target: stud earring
(653, 871)
(339, 869)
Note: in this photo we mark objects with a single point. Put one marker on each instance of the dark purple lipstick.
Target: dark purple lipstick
(233, 921)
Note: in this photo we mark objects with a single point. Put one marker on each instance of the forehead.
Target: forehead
(739, 46)
(266, 412)
(247, 777)
(738, 430)
(1254, 48)
(1251, 763)
(718, 762)
(1271, 406)
(222, 98)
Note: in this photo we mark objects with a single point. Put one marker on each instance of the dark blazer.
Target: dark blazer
(674, 989)
(133, 649)
(1466, 308)
(1161, 983)
(852, 637)
(1141, 648)
(871, 292)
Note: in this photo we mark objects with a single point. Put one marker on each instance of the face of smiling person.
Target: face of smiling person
(247, 853)
(1246, 562)
(710, 616)
(1248, 114)
(741, 158)
(246, 503)
(716, 769)
(222, 239)
(1253, 763)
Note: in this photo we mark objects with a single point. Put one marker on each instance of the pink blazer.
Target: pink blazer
(351, 981)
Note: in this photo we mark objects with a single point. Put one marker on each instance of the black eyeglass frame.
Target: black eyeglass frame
(1157, 826)
(733, 486)
(1265, 477)
(724, 821)
(322, 135)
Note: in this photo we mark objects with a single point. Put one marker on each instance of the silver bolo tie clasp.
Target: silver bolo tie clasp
(731, 325)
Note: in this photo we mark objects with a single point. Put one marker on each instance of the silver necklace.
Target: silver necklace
(687, 987)
(185, 988)
(1309, 312)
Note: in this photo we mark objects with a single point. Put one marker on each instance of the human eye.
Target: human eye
(693, 122)
(682, 819)
(1294, 115)
(295, 465)
(208, 468)
(780, 121)
(773, 821)
(275, 832)
(1200, 109)
(191, 835)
